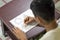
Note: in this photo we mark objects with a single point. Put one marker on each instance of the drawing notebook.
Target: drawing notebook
(19, 21)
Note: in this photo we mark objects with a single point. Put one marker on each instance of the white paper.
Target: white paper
(19, 21)
(4, 2)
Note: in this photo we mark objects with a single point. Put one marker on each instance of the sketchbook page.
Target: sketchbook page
(4, 2)
(19, 21)
(57, 5)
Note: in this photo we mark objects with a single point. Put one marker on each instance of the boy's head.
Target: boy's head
(44, 10)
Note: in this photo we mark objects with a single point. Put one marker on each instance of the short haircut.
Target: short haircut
(44, 9)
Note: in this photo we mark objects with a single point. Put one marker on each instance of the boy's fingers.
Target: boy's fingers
(28, 20)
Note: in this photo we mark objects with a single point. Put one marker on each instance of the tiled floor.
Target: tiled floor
(4, 2)
(57, 5)
(1, 34)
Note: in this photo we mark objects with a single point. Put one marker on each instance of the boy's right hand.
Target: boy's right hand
(28, 20)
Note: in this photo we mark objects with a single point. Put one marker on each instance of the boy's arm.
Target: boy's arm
(19, 34)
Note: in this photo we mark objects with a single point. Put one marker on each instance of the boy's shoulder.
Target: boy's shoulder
(52, 34)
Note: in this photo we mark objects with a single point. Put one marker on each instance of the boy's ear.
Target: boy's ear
(41, 21)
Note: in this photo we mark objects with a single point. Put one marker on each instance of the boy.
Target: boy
(44, 12)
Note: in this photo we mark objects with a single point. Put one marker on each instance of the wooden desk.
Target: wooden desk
(12, 10)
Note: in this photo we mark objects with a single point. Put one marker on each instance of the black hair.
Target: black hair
(44, 9)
